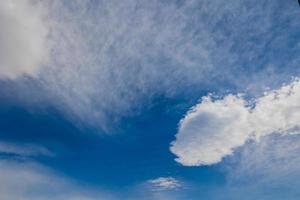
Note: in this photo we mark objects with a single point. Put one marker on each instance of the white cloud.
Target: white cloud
(107, 59)
(165, 183)
(213, 129)
(110, 58)
(23, 38)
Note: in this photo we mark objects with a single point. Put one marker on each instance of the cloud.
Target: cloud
(23, 38)
(24, 150)
(213, 129)
(274, 158)
(29, 180)
(98, 61)
(23, 178)
(260, 169)
(266, 169)
(165, 183)
(111, 58)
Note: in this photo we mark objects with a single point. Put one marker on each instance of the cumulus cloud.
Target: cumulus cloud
(213, 129)
(23, 38)
(165, 183)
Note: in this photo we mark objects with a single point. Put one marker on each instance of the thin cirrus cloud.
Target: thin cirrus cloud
(274, 158)
(24, 150)
(23, 178)
(29, 180)
(261, 167)
(113, 57)
(213, 129)
(99, 61)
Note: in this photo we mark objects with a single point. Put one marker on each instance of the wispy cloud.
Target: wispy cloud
(266, 169)
(29, 180)
(165, 183)
(107, 59)
(24, 150)
(23, 178)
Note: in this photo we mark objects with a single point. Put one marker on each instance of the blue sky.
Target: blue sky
(110, 100)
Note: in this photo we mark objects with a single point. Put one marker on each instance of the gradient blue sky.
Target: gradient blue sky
(155, 100)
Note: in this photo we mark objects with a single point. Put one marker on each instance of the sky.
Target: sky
(154, 100)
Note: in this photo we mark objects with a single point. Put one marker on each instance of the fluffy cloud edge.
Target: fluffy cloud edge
(213, 129)
(24, 38)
